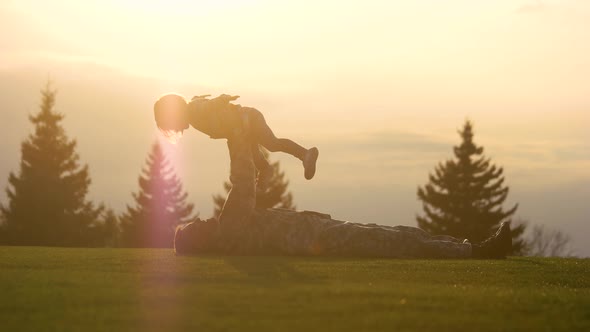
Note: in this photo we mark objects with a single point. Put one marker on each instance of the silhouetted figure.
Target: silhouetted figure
(219, 118)
(243, 230)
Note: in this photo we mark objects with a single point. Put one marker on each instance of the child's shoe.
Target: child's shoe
(309, 162)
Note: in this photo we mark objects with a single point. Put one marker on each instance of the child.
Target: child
(218, 118)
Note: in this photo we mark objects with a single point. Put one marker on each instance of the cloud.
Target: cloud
(533, 7)
(387, 142)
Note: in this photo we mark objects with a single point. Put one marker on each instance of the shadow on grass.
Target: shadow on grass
(529, 260)
(274, 268)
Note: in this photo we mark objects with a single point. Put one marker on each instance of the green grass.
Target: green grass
(57, 289)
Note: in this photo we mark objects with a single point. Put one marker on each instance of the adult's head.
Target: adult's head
(171, 114)
(196, 237)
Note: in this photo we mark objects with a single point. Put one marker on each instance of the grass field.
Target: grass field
(58, 289)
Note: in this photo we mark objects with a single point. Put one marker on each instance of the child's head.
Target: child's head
(171, 114)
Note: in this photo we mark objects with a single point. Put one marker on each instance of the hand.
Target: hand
(228, 98)
(200, 97)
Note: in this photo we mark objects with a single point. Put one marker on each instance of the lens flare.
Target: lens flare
(173, 136)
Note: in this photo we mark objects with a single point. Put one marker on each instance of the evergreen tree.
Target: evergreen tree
(47, 198)
(464, 196)
(159, 205)
(109, 229)
(276, 196)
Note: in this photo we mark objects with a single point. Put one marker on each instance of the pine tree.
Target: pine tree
(47, 198)
(160, 205)
(464, 196)
(276, 196)
(109, 229)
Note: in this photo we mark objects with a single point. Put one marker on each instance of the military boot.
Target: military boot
(497, 246)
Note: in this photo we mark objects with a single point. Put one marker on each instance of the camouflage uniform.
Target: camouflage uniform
(244, 230)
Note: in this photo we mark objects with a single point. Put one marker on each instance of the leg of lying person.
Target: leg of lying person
(352, 239)
(241, 199)
(265, 170)
(223, 234)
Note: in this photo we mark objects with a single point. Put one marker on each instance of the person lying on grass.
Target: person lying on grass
(284, 232)
(219, 118)
(243, 230)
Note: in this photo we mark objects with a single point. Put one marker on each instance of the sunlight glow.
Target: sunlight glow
(177, 8)
(173, 136)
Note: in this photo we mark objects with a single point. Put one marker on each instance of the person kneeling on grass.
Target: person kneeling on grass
(241, 229)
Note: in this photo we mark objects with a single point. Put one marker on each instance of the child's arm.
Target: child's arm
(225, 98)
(216, 102)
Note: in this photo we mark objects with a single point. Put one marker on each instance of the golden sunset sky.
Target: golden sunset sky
(380, 86)
(397, 60)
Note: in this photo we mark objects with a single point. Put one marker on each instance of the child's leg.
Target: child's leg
(265, 137)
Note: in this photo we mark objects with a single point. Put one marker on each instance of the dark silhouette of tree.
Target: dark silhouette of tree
(464, 196)
(47, 198)
(276, 196)
(160, 205)
(109, 229)
(544, 242)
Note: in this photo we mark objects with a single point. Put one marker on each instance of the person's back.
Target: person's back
(281, 232)
(287, 232)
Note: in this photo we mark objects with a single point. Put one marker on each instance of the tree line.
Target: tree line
(48, 205)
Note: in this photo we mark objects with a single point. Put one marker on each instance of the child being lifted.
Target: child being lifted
(219, 118)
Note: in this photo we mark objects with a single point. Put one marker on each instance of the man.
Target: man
(243, 230)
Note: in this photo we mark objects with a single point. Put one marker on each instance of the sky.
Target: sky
(381, 87)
